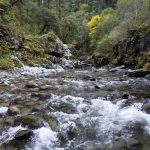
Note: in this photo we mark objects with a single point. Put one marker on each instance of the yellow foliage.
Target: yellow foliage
(94, 21)
(93, 26)
(97, 22)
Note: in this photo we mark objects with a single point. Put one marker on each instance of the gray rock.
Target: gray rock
(30, 121)
(13, 110)
(146, 106)
(138, 73)
(31, 84)
(52, 121)
(23, 134)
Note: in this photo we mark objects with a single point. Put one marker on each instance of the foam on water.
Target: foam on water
(44, 138)
(9, 134)
(3, 110)
(110, 118)
(26, 70)
(106, 118)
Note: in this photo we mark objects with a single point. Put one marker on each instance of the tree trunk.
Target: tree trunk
(58, 9)
(39, 3)
(48, 4)
(43, 29)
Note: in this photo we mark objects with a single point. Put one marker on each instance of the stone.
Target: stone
(31, 84)
(31, 121)
(23, 134)
(146, 106)
(134, 144)
(119, 145)
(97, 86)
(13, 110)
(147, 77)
(64, 107)
(52, 121)
(138, 73)
(125, 96)
(41, 96)
(92, 79)
(44, 87)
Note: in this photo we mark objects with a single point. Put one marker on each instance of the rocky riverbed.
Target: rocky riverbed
(73, 109)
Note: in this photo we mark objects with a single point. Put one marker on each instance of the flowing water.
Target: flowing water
(74, 109)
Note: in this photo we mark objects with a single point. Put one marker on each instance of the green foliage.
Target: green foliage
(4, 4)
(6, 63)
(100, 26)
(44, 16)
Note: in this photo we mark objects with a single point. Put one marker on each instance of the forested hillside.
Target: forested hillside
(111, 31)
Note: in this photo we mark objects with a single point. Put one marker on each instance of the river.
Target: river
(73, 109)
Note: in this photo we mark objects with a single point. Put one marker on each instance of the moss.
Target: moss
(35, 47)
(6, 63)
(51, 36)
(147, 66)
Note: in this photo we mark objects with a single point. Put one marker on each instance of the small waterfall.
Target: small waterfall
(67, 51)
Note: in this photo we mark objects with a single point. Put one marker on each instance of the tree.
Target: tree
(46, 19)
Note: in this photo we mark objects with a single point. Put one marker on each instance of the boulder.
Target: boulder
(23, 134)
(52, 121)
(30, 121)
(13, 110)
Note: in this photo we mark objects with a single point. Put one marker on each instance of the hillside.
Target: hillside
(115, 32)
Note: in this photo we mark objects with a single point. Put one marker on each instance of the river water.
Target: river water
(74, 109)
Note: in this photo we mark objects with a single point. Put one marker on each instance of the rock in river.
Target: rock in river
(23, 134)
(138, 73)
(13, 110)
(31, 121)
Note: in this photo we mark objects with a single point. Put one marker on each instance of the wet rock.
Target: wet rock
(31, 121)
(72, 133)
(34, 89)
(36, 109)
(148, 77)
(138, 73)
(92, 79)
(19, 100)
(31, 84)
(134, 144)
(87, 77)
(6, 122)
(52, 121)
(23, 135)
(146, 106)
(97, 86)
(19, 140)
(13, 110)
(117, 69)
(41, 96)
(137, 128)
(125, 96)
(64, 107)
(120, 145)
(44, 87)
